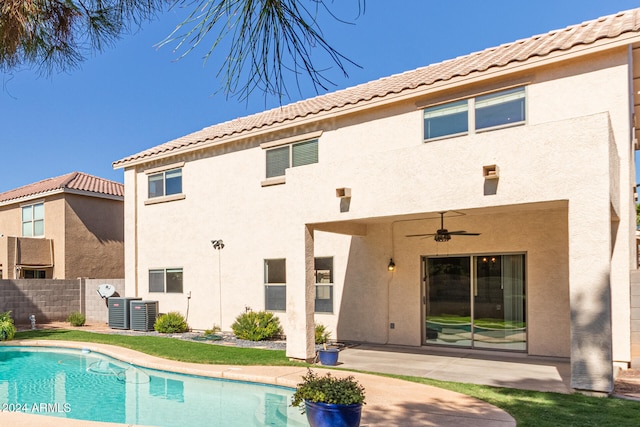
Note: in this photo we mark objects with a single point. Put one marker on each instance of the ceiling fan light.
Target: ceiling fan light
(442, 237)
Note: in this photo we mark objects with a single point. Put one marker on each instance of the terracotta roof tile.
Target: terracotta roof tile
(537, 46)
(73, 181)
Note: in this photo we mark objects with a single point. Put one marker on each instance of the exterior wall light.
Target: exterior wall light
(392, 265)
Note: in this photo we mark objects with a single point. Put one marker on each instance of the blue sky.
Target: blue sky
(133, 96)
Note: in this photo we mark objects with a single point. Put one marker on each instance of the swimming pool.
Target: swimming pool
(92, 386)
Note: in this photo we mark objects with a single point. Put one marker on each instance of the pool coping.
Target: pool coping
(390, 401)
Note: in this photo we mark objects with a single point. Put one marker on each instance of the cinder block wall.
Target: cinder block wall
(48, 300)
(53, 300)
(96, 307)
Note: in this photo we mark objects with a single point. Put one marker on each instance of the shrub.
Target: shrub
(214, 330)
(7, 328)
(322, 334)
(328, 389)
(257, 326)
(170, 323)
(76, 319)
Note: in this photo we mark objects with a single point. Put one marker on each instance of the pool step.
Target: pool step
(281, 415)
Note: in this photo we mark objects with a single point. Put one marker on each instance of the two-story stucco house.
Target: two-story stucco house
(335, 209)
(65, 227)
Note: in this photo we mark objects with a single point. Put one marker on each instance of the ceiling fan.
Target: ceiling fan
(444, 235)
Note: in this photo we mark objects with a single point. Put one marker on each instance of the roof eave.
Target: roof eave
(56, 191)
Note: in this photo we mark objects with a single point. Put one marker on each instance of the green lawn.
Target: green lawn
(529, 408)
(539, 409)
(168, 348)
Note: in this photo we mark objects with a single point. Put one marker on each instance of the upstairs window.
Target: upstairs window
(499, 109)
(447, 119)
(33, 220)
(165, 183)
(485, 112)
(281, 158)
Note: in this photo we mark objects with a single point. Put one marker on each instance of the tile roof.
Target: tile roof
(72, 181)
(607, 27)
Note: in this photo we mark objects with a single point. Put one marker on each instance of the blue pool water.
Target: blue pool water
(92, 386)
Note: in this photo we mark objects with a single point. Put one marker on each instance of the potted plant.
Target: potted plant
(327, 356)
(329, 401)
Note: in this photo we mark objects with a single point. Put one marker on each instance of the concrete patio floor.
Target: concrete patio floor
(390, 402)
(489, 368)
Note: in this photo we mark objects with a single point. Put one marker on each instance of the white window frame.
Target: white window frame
(162, 172)
(471, 108)
(166, 271)
(324, 283)
(32, 221)
(275, 284)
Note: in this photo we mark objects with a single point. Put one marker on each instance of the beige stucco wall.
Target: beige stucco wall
(11, 226)
(94, 241)
(87, 235)
(397, 296)
(10, 221)
(565, 178)
(54, 230)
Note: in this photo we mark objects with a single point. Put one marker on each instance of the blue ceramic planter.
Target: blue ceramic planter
(328, 357)
(333, 415)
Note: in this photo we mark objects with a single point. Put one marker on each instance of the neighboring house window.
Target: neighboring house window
(165, 183)
(33, 274)
(494, 110)
(281, 158)
(167, 280)
(33, 220)
(324, 285)
(275, 289)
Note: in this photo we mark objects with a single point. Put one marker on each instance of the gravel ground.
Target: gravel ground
(220, 338)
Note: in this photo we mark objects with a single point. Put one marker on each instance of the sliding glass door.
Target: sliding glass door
(475, 301)
(448, 302)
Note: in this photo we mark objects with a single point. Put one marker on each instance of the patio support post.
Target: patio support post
(300, 299)
(590, 295)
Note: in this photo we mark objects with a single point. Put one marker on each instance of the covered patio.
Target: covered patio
(530, 304)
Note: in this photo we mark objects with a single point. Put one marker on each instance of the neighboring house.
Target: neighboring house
(63, 228)
(328, 207)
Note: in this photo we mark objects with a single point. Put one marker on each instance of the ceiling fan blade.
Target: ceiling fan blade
(443, 234)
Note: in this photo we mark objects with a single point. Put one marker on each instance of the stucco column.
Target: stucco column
(131, 229)
(300, 298)
(590, 295)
